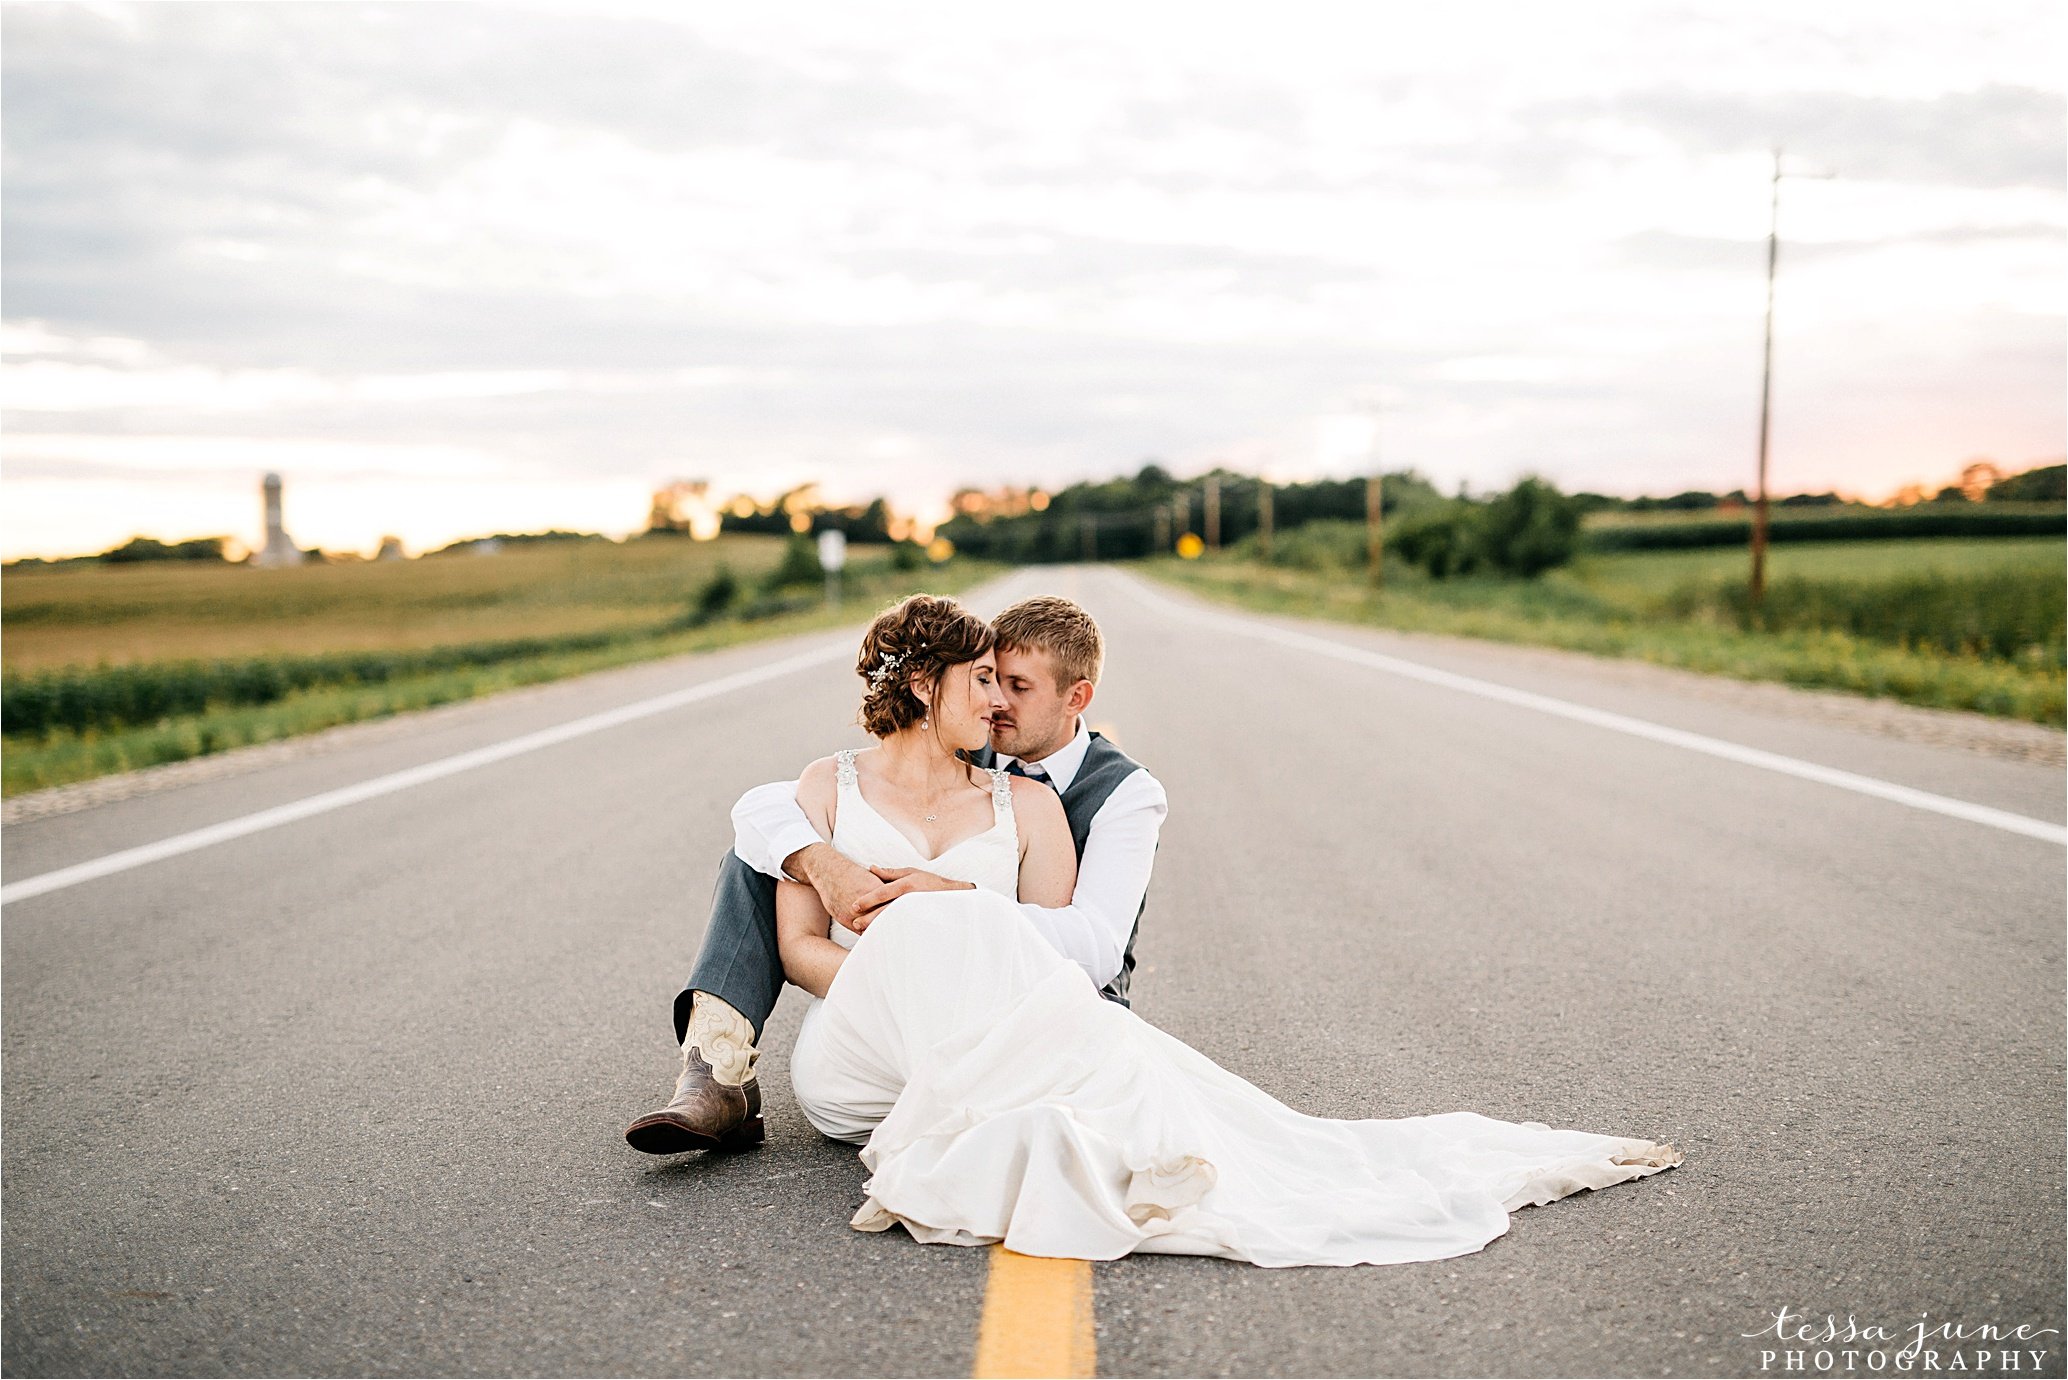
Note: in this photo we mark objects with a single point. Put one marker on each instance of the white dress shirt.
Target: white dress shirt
(1112, 875)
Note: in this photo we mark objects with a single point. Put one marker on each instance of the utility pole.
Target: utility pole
(1162, 543)
(1183, 502)
(1264, 517)
(1213, 512)
(1375, 535)
(1766, 385)
(1374, 532)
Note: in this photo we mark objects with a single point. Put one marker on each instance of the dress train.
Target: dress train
(999, 1098)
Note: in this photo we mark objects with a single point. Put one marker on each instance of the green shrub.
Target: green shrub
(719, 593)
(799, 566)
(1529, 529)
(1324, 545)
(1442, 539)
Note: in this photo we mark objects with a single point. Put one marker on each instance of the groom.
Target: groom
(1049, 655)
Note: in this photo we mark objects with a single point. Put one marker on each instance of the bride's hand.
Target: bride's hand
(899, 881)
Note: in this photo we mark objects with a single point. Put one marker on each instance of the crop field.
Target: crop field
(155, 610)
(115, 668)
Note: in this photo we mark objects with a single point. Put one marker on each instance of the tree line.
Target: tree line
(1530, 527)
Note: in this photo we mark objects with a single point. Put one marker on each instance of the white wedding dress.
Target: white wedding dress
(998, 1097)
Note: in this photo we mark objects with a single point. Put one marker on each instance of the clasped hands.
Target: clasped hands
(853, 894)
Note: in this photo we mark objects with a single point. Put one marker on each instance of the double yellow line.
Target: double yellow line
(1037, 1318)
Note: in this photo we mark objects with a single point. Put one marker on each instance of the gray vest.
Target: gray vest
(1103, 769)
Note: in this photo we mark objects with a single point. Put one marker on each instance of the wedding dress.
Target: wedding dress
(998, 1097)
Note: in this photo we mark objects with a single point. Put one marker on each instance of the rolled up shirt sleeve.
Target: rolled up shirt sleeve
(768, 826)
(1112, 878)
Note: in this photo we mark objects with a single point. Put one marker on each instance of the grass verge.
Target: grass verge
(1572, 613)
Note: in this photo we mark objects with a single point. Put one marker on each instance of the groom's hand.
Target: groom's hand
(843, 884)
(901, 881)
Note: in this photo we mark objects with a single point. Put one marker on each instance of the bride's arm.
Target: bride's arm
(810, 957)
(803, 926)
(1048, 856)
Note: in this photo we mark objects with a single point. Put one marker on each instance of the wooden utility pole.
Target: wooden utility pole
(1264, 519)
(1183, 502)
(1766, 387)
(1766, 384)
(1213, 512)
(1375, 534)
(1161, 546)
(1374, 510)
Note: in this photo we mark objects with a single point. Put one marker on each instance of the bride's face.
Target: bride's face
(962, 708)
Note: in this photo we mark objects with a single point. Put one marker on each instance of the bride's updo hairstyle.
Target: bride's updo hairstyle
(914, 641)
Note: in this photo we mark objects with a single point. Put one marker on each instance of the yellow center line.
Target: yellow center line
(1037, 1318)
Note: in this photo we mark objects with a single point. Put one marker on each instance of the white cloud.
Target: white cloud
(642, 242)
(44, 455)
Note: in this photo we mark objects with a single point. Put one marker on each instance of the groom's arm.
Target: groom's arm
(772, 835)
(769, 828)
(1112, 878)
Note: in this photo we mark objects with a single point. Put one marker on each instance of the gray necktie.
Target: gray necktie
(1033, 773)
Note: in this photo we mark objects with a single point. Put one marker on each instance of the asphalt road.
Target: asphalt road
(346, 1095)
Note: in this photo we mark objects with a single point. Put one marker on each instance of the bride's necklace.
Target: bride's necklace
(930, 818)
(933, 816)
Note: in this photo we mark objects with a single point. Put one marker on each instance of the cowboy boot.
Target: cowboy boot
(717, 1102)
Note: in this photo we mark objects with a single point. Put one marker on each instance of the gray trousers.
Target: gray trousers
(739, 962)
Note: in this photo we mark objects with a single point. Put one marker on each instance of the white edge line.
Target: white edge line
(410, 776)
(1621, 723)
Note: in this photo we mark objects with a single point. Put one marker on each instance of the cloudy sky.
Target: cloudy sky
(461, 268)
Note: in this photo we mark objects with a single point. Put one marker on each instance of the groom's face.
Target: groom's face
(1039, 715)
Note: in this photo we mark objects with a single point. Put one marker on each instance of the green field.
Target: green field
(1855, 560)
(112, 668)
(1955, 623)
(154, 610)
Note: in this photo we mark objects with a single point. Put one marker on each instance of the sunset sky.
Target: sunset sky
(454, 269)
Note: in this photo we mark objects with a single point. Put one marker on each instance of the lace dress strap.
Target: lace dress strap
(844, 763)
(1001, 793)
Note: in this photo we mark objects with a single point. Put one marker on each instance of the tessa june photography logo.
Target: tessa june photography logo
(1806, 1347)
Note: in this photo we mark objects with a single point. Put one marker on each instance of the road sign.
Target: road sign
(832, 551)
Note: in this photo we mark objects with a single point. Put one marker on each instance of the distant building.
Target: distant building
(278, 550)
(391, 550)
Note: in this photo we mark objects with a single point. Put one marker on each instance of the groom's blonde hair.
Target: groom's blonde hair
(1060, 628)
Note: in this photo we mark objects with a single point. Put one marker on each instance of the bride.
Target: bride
(998, 1098)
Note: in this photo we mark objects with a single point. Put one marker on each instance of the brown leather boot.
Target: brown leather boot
(717, 1103)
(704, 1115)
